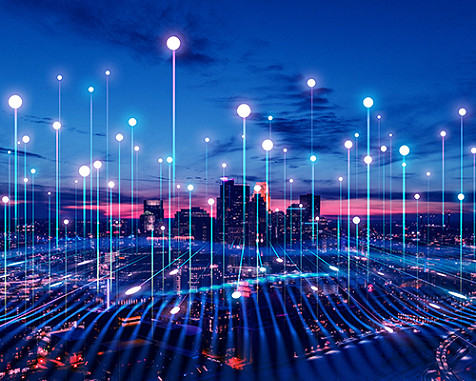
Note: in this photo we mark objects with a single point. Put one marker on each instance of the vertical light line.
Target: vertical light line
(97, 231)
(403, 210)
(443, 182)
(348, 222)
(173, 121)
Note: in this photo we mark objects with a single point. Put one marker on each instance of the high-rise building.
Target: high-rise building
(153, 216)
(199, 227)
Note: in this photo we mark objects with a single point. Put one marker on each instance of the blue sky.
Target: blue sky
(415, 59)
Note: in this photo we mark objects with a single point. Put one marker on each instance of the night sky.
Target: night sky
(415, 59)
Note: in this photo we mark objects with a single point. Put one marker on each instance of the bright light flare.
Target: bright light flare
(133, 290)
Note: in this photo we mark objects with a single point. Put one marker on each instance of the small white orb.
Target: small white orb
(443, 134)
(243, 110)
(313, 158)
(190, 187)
(291, 181)
(236, 295)
(33, 171)
(111, 184)
(267, 145)
(108, 73)
(379, 116)
(136, 148)
(285, 150)
(178, 186)
(160, 160)
(211, 201)
(428, 173)
(169, 159)
(66, 221)
(132, 122)
(356, 220)
(91, 89)
(390, 135)
(119, 137)
(223, 165)
(162, 228)
(97, 164)
(5, 199)
(25, 180)
(461, 196)
(173, 43)
(300, 205)
(348, 144)
(341, 179)
(207, 140)
(56, 125)
(76, 181)
(416, 196)
(84, 171)
(175, 310)
(257, 188)
(368, 159)
(404, 150)
(276, 210)
(262, 269)
(368, 102)
(15, 102)
(462, 111)
(356, 135)
(270, 118)
(279, 260)
(404, 165)
(473, 150)
(311, 82)
(25, 139)
(59, 77)
(383, 148)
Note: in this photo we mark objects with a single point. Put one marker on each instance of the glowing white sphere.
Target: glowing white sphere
(49, 193)
(404, 150)
(356, 135)
(276, 210)
(379, 116)
(75, 181)
(133, 290)
(383, 148)
(119, 137)
(132, 122)
(178, 186)
(97, 164)
(169, 159)
(211, 201)
(356, 220)
(291, 181)
(190, 187)
(59, 77)
(270, 118)
(108, 72)
(33, 171)
(257, 188)
(368, 159)
(175, 310)
(473, 150)
(285, 150)
(236, 295)
(368, 102)
(462, 111)
(262, 269)
(160, 160)
(341, 179)
(313, 158)
(5, 199)
(173, 43)
(390, 135)
(84, 171)
(443, 134)
(314, 288)
(461, 196)
(25, 180)
(173, 272)
(404, 165)
(348, 144)
(311, 82)
(279, 260)
(66, 221)
(267, 145)
(15, 102)
(207, 140)
(90, 89)
(243, 110)
(25, 139)
(416, 196)
(136, 148)
(56, 125)
(223, 165)
(162, 228)
(301, 205)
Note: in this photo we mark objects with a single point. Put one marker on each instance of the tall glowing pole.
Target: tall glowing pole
(339, 220)
(91, 90)
(33, 172)
(132, 123)
(383, 149)
(5, 200)
(190, 189)
(173, 43)
(461, 198)
(417, 196)
(97, 165)
(119, 139)
(84, 171)
(169, 161)
(291, 181)
(404, 151)
(356, 135)
(160, 161)
(313, 160)
(207, 140)
(57, 127)
(348, 145)
(356, 221)
(443, 134)
(243, 112)
(311, 82)
(66, 222)
(473, 151)
(49, 241)
(267, 145)
(110, 185)
(368, 103)
(390, 227)
(211, 202)
(223, 217)
(15, 103)
(107, 73)
(25, 139)
(285, 150)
